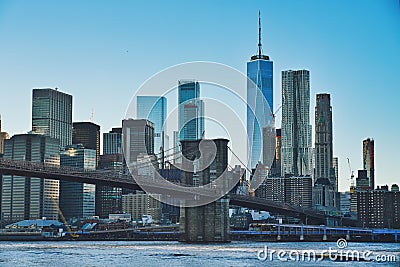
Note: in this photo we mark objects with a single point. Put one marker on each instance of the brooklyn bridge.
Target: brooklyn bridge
(124, 180)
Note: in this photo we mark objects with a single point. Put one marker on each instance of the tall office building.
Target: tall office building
(77, 200)
(108, 198)
(335, 163)
(323, 141)
(52, 114)
(24, 198)
(269, 147)
(368, 160)
(278, 154)
(112, 141)
(191, 115)
(261, 174)
(137, 138)
(3, 136)
(259, 102)
(154, 109)
(190, 111)
(176, 146)
(325, 177)
(296, 128)
(87, 134)
(362, 184)
(345, 202)
(292, 190)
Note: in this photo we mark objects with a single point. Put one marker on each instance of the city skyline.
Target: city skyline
(84, 69)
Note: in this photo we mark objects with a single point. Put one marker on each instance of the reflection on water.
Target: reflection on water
(145, 253)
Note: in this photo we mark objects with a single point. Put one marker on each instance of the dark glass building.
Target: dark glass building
(137, 138)
(52, 114)
(108, 198)
(112, 141)
(87, 134)
(77, 200)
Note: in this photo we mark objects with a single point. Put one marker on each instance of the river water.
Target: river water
(167, 254)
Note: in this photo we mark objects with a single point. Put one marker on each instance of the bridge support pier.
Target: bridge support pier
(302, 233)
(279, 233)
(209, 222)
(324, 237)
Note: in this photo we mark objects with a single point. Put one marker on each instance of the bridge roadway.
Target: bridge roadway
(118, 179)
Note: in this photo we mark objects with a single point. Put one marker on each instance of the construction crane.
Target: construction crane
(352, 187)
(276, 111)
(73, 235)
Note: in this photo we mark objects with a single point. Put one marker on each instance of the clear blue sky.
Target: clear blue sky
(101, 51)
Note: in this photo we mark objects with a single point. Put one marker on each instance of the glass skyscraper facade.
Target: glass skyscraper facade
(109, 199)
(24, 198)
(77, 200)
(137, 138)
(112, 141)
(52, 114)
(190, 111)
(260, 103)
(87, 134)
(176, 146)
(296, 128)
(154, 109)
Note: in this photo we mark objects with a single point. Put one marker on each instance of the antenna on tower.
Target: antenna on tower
(259, 33)
(92, 116)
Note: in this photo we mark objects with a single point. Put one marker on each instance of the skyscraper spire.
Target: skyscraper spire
(259, 33)
(259, 55)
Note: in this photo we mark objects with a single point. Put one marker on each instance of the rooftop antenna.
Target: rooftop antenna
(92, 116)
(259, 33)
